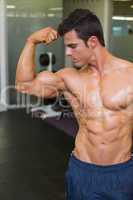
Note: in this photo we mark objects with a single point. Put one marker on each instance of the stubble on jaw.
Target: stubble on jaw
(82, 67)
(77, 66)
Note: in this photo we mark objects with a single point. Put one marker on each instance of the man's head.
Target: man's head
(81, 29)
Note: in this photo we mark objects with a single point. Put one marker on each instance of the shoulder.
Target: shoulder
(70, 77)
(126, 70)
(67, 71)
(123, 65)
(127, 67)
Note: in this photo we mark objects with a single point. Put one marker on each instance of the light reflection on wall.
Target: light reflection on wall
(33, 14)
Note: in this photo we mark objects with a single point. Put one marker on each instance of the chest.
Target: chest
(111, 92)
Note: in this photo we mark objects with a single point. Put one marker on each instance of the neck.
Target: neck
(100, 59)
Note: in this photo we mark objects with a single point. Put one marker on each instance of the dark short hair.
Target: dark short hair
(85, 23)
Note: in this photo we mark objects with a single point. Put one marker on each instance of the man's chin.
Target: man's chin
(77, 66)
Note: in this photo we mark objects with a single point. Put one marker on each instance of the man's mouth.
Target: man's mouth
(74, 60)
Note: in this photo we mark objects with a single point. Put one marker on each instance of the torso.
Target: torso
(103, 106)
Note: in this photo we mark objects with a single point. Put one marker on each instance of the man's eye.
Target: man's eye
(73, 46)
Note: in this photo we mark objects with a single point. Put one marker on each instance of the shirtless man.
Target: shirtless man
(100, 90)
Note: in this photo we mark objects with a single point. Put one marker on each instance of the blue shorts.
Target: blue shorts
(86, 181)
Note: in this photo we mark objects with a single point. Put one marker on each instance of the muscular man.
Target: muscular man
(99, 88)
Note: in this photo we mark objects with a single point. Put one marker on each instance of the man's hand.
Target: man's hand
(46, 35)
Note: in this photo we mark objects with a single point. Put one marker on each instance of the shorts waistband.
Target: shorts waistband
(104, 168)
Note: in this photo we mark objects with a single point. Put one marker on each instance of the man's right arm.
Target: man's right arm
(45, 84)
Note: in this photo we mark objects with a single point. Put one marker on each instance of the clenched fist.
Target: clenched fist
(46, 35)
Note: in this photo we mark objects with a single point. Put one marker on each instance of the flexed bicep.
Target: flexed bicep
(46, 84)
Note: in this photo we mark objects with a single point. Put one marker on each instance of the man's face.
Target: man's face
(77, 49)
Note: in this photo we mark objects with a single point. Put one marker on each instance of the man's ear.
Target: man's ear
(92, 42)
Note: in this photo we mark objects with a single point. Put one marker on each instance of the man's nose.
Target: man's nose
(68, 51)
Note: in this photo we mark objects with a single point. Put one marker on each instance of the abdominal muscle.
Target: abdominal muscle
(105, 133)
(103, 147)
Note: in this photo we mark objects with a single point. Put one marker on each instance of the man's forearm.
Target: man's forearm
(26, 64)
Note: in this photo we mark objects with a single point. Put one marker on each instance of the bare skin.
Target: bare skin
(99, 89)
